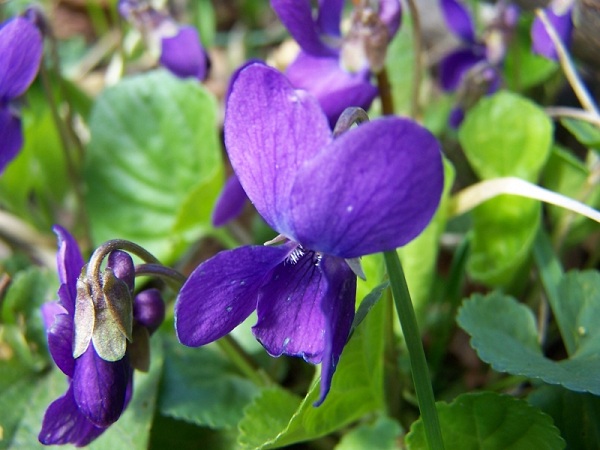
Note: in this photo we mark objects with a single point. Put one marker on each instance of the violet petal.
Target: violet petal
(455, 65)
(230, 203)
(390, 13)
(222, 292)
(99, 387)
(122, 266)
(184, 55)
(297, 16)
(64, 424)
(338, 309)
(335, 88)
(456, 117)
(60, 343)
(458, 19)
(49, 310)
(21, 50)
(374, 188)
(330, 17)
(294, 308)
(69, 263)
(541, 42)
(271, 129)
(11, 137)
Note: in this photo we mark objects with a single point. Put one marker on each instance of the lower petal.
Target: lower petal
(306, 309)
(60, 343)
(222, 292)
(65, 424)
(100, 387)
(11, 137)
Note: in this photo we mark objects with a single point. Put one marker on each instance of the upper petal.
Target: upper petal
(21, 50)
(390, 12)
(271, 129)
(222, 292)
(297, 16)
(330, 17)
(184, 55)
(65, 424)
(230, 203)
(100, 387)
(458, 19)
(335, 88)
(69, 263)
(372, 189)
(11, 136)
(541, 42)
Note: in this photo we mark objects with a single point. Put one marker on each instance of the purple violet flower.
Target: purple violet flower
(373, 188)
(21, 47)
(99, 390)
(181, 51)
(475, 64)
(559, 13)
(336, 69)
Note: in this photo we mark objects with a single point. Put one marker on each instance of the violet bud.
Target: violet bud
(149, 309)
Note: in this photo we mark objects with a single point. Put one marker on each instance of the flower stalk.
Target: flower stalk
(416, 353)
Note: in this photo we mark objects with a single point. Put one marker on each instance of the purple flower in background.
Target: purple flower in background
(181, 51)
(559, 14)
(373, 188)
(337, 69)
(475, 65)
(21, 47)
(99, 390)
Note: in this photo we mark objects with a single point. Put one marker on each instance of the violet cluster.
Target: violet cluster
(332, 199)
(474, 68)
(181, 51)
(98, 390)
(21, 46)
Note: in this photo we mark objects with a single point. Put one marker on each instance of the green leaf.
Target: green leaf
(503, 332)
(278, 418)
(202, 387)
(585, 132)
(524, 69)
(381, 435)
(154, 144)
(576, 415)
(504, 229)
(14, 398)
(490, 421)
(506, 135)
(419, 257)
(168, 433)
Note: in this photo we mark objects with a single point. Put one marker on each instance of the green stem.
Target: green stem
(242, 360)
(172, 277)
(415, 110)
(416, 353)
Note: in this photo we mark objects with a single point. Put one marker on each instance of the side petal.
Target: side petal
(297, 16)
(99, 387)
(454, 66)
(271, 129)
(222, 292)
(374, 188)
(60, 343)
(11, 137)
(184, 55)
(69, 263)
(21, 50)
(64, 424)
(335, 88)
(458, 19)
(541, 42)
(230, 203)
(306, 309)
